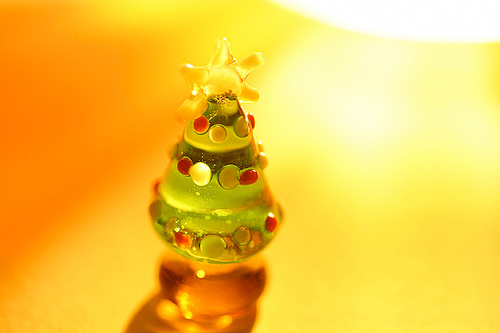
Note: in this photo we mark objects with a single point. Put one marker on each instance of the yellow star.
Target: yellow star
(223, 74)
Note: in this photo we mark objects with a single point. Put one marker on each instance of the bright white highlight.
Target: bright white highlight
(425, 20)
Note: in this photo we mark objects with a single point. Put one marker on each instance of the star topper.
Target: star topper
(223, 74)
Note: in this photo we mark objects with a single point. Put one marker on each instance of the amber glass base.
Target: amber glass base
(199, 297)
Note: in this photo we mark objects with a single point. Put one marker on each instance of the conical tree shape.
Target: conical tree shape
(214, 203)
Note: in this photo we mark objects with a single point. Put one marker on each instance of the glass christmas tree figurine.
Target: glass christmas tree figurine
(214, 204)
(214, 207)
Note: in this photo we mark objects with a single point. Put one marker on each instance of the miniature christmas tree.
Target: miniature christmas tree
(214, 204)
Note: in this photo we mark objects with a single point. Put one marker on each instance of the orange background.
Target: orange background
(385, 154)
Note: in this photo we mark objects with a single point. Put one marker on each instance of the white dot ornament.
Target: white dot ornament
(200, 173)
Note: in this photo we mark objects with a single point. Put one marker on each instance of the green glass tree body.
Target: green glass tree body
(214, 204)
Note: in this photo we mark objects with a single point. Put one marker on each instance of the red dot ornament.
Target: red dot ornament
(182, 240)
(201, 124)
(156, 186)
(184, 165)
(251, 119)
(271, 222)
(248, 177)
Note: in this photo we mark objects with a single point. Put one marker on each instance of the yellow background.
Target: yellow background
(385, 155)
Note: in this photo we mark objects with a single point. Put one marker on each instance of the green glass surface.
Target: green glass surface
(200, 222)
